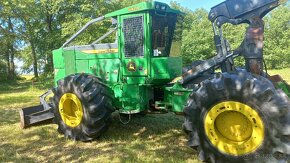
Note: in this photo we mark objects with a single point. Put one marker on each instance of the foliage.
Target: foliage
(198, 40)
(277, 34)
(30, 30)
(235, 35)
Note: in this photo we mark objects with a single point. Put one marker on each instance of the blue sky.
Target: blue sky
(194, 4)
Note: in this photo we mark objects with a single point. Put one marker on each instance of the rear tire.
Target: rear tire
(272, 107)
(91, 97)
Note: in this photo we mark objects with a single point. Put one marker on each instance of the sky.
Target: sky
(194, 4)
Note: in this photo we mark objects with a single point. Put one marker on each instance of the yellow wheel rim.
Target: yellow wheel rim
(70, 109)
(234, 128)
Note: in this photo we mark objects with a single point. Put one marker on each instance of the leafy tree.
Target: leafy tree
(7, 39)
(235, 34)
(198, 38)
(277, 38)
(31, 29)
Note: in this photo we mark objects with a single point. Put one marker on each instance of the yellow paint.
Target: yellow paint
(145, 72)
(131, 67)
(70, 109)
(134, 9)
(176, 79)
(100, 51)
(234, 128)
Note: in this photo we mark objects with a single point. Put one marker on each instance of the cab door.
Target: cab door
(133, 45)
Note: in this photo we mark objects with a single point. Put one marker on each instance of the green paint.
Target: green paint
(82, 66)
(176, 97)
(107, 69)
(58, 59)
(165, 69)
(133, 70)
(81, 55)
(285, 87)
(69, 62)
(143, 7)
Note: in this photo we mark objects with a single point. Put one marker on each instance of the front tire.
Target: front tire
(82, 107)
(238, 117)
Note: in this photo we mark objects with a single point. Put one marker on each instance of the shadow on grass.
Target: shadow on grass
(24, 85)
(11, 150)
(155, 138)
(9, 116)
(15, 86)
(16, 100)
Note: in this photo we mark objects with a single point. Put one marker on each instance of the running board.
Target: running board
(37, 115)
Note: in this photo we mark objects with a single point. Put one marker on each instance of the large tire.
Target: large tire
(92, 100)
(241, 88)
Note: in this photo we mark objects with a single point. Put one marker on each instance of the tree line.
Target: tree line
(31, 29)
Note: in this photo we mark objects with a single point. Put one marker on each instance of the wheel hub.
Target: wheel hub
(234, 128)
(70, 109)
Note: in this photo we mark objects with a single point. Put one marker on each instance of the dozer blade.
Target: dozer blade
(35, 115)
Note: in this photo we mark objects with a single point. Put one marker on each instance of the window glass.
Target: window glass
(162, 34)
(133, 29)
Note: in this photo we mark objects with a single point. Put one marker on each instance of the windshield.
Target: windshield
(162, 34)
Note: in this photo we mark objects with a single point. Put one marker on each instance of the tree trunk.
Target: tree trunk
(12, 65)
(8, 64)
(49, 19)
(34, 59)
(11, 50)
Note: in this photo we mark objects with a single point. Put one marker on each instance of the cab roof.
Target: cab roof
(144, 6)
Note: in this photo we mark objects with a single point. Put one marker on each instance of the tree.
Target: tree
(198, 38)
(8, 38)
(277, 38)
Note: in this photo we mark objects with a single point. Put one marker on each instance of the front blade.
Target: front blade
(35, 115)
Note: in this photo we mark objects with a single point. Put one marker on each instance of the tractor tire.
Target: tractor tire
(82, 107)
(238, 117)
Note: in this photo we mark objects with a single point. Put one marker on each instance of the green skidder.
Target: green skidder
(233, 115)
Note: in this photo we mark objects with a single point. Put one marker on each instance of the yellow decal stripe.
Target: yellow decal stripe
(100, 51)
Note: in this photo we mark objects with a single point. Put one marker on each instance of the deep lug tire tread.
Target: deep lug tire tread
(272, 105)
(97, 106)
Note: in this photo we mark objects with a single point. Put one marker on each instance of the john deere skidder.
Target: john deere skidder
(234, 115)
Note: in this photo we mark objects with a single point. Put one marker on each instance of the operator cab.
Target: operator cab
(145, 41)
(141, 54)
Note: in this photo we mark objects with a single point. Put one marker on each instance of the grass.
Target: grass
(284, 73)
(153, 138)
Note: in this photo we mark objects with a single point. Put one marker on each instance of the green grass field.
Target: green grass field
(153, 138)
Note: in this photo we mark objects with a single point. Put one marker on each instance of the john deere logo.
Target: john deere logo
(131, 66)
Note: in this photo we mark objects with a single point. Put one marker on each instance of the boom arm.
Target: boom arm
(237, 12)
(241, 11)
